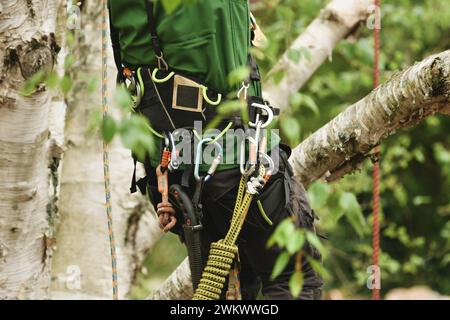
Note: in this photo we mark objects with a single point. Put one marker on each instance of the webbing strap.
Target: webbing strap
(152, 26)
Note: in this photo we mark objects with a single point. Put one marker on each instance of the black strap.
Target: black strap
(133, 187)
(152, 25)
(254, 70)
(115, 39)
(115, 42)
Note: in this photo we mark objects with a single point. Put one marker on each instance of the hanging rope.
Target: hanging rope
(376, 165)
(106, 151)
(223, 252)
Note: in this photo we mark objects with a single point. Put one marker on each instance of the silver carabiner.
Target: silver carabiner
(173, 164)
(162, 62)
(270, 163)
(134, 89)
(214, 164)
(255, 185)
(269, 112)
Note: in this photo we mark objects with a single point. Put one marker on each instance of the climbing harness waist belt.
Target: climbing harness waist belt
(171, 100)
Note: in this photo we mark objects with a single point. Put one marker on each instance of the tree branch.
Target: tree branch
(338, 147)
(403, 101)
(335, 22)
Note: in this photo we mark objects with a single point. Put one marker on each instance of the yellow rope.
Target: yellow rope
(223, 252)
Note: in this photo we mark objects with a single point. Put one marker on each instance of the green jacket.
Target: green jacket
(207, 39)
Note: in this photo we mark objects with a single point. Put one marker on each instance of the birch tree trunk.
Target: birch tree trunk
(82, 265)
(27, 46)
(339, 146)
(337, 20)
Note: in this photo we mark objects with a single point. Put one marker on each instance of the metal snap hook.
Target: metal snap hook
(269, 112)
(215, 163)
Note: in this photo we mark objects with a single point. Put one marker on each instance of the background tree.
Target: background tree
(28, 50)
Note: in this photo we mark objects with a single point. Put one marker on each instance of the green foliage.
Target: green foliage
(415, 166)
(133, 129)
(293, 239)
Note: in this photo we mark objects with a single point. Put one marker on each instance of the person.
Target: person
(177, 66)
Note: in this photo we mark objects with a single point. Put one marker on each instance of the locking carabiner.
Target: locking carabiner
(255, 185)
(214, 164)
(253, 151)
(174, 164)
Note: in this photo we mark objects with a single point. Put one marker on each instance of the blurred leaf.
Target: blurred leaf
(31, 84)
(65, 85)
(295, 242)
(296, 283)
(170, 5)
(108, 128)
(280, 264)
(123, 99)
(352, 210)
(291, 129)
(318, 267)
(52, 80)
(293, 55)
(238, 75)
(318, 194)
(315, 242)
(282, 234)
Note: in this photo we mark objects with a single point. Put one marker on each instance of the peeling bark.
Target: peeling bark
(403, 101)
(27, 46)
(337, 20)
(177, 286)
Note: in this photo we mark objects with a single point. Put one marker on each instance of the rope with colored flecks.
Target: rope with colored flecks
(106, 151)
(376, 165)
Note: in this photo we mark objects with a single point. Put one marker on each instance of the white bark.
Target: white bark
(403, 101)
(177, 286)
(406, 99)
(82, 265)
(336, 21)
(27, 45)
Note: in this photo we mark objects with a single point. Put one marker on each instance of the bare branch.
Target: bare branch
(403, 101)
(335, 22)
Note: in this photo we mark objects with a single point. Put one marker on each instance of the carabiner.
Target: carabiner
(174, 164)
(269, 112)
(243, 89)
(133, 87)
(270, 163)
(214, 164)
(256, 184)
(161, 61)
